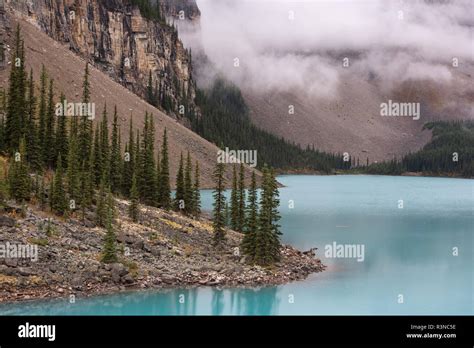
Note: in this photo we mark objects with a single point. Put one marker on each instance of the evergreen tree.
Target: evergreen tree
(104, 147)
(180, 189)
(147, 183)
(157, 178)
(134, 209)
(267, 242)
(115, 158)
(33, 146)
(97, 158)
(42, 112)
(86, 192)
(59, 203)
(15, 124)
(61, 136)
(150, 96)
(129, 164)
(110, 242)
(18, 176)
(48, 148)
(188, 186)
(234, 202)
(251, 226)
(73, 169)
(164, 193)
(219, 204)
(196, 193)
(242, 198)
(86, 86)
(101, 210)
(138, 170)
(85, 138)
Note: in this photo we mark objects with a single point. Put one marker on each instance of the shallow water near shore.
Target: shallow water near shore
(408, 253)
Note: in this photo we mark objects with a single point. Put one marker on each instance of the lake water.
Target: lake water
(417, 259)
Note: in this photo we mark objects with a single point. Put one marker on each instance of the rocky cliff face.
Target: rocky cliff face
(116, 37)
(181, 8)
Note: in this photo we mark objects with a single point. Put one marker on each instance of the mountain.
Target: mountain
(298, 64)
(352, 122)
(67, 69)
(128, 40)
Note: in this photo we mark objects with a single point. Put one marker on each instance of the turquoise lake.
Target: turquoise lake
(422, 252)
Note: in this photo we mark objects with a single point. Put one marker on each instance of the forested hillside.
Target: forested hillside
(225, 121)
(450, 152)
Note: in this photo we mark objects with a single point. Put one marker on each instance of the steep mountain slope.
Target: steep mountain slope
(67, 70)
(352, 122)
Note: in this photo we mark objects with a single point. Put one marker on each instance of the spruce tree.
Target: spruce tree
(180, 189)
(85, 138)
(61, 136)
(188, 186)
(104, 147)
(234, 201)
(164, 193)
(251, 225)
(267, 242)
(97, 158)
(133, 209)
(59, 203)
(157, 178)
(48, 150)
(115, 158)
(86, 86)
(15, 123)
(196, 193)
(147, 177)
(275, 216)
(129, 163)
(242, 198)
(18, 175)
(219, 204)
(101, 210)
(109, 254)
(138, 170)
(42, 112)
(73, 169)
(33, 146)
(150, 96)
(86, 192)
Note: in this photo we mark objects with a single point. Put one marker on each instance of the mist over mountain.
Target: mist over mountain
(284, 45)
(336, 61)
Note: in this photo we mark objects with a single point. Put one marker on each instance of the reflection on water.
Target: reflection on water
(183, 302)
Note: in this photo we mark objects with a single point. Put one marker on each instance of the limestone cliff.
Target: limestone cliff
(116, 37)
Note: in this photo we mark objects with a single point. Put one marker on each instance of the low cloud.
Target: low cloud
(287, 45)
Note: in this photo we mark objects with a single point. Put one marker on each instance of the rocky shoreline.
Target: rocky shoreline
(164, 250)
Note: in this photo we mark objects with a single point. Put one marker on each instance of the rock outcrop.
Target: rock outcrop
(117, 38)
(163, 250)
